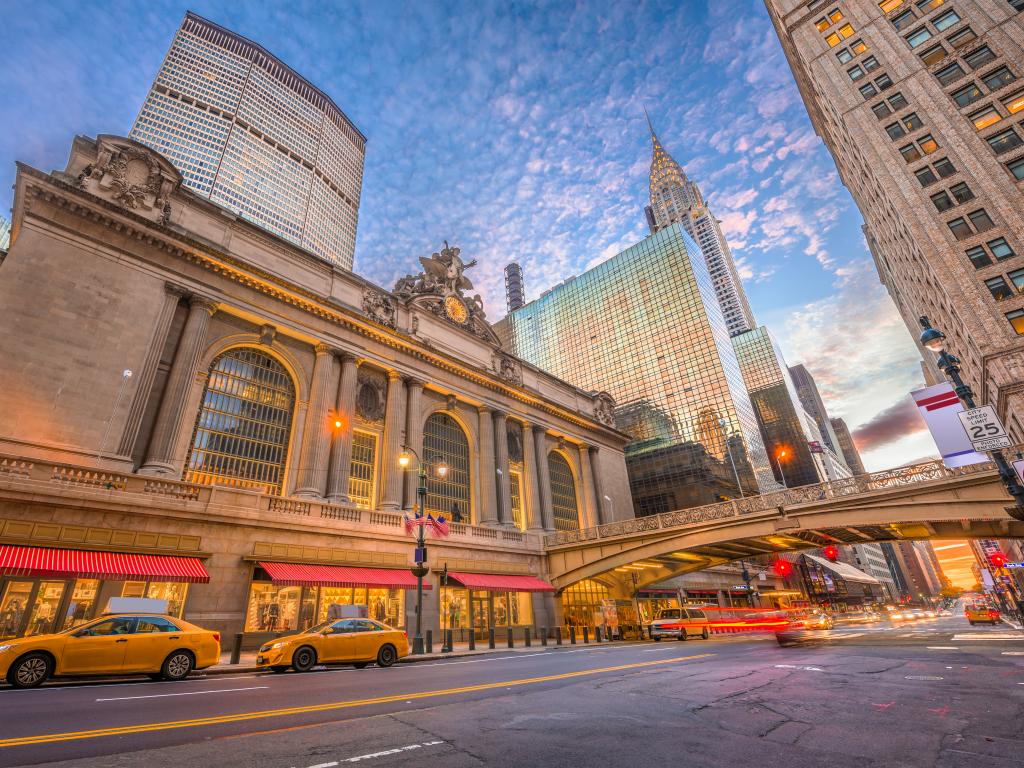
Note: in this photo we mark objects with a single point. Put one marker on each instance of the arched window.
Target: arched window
(563, 493)
(241, 435)
(443, 439)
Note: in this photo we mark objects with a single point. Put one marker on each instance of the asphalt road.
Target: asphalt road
(939, 693)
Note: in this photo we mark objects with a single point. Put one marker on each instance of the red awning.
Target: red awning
(123, 566)
(299, 575)
(501, 583)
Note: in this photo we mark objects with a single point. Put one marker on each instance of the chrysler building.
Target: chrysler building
(674, 198)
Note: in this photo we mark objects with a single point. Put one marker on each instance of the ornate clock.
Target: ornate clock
(456, 309)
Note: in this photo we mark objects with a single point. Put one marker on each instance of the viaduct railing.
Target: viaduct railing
(835, 489)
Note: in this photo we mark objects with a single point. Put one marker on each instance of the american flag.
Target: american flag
(438, 525)
(412, 522)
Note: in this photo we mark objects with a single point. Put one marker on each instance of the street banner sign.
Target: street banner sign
(421, 555)
(1014, 565)
(815, 446)
(1018, 467)
(984, 429)
(939, 406)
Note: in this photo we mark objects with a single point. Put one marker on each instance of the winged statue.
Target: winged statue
(446, 270)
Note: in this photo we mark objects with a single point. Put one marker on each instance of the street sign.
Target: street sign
(1018, 467)
(421, 555)
(984, 429)
(1014, 565)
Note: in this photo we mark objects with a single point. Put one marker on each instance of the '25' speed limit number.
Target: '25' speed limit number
(984, 429)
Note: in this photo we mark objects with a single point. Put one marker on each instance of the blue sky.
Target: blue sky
(517, 133)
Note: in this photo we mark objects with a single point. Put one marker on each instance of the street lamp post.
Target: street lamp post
(420, 569)
(779, 456)
(934, 339)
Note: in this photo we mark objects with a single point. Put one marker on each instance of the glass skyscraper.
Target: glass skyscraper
(249, 133)
(646, 327)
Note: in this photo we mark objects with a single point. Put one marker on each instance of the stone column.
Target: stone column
(413, 433)
(341, 453)
(586, 490)
(145, 376)
(314, 455)
(504, 480)
(603, 513)
(488, 499)
(540, 444)
(393, 437)
(534, 521)
(159, 457)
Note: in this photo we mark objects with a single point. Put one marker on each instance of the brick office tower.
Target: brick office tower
(250, 134)
(921, 104)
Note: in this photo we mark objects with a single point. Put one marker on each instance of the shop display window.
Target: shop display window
(489, 609)
(14, 606)
(45, 607)
(273, 608)
(282, 609)
(83, 602)
(174, 592)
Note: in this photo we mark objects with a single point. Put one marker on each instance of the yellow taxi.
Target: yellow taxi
(160, 646)
(342, 641)
(979, 613)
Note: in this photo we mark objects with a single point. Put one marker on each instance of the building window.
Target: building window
(582, 601)
(998, 78)
(927, 144)
(881, 110)
(1000, 248)
(563, 493)
(870, 64)
(1017, 5)
(1016, 167)
(959, 228)
(844, 55)
(241, 435)
(910, 153)
(985, 117)
(912, 122)
(961, 38)
(961, 192)
(1017, 278)
(945, 21)
(981, 220)
(855, 73)
(1004, 141)
(950, 74)
(897, 102)
(895, 131)
(1015, 103)
(926, 176)
(929, 5)
(516, 482)
(980, 57)
(942, 201)
(904, 20)
(444, 440)
(883, 82)
(978, 256)
(822, 24)
(835, 15)
(362, 468)
(1016, 319)
(890, 5)
(944, 167)
(858, 47)
(919, 36)
(967, 95)
(846, 31)
(867, 90)
(933, 54)
(998, 288)
(833, 40)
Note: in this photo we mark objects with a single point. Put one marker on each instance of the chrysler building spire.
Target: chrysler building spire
(676, 199)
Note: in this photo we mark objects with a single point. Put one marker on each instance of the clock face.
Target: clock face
(456, 309)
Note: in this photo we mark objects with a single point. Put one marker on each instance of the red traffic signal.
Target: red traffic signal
(831, 553)
(997, 559)
(782, 567)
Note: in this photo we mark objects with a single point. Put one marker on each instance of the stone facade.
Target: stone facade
(124, 295)
(850, 60)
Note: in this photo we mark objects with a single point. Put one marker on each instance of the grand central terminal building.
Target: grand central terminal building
(194, 409)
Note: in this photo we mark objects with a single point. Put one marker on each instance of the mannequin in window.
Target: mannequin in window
(273, 615)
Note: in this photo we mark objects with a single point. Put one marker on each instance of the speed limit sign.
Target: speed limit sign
(984, 429)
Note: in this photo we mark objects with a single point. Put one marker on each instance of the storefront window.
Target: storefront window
(83, 599)
(454, 607)
(282, 609)
(582, 600)
(14, 606)
(44, 609)
(272, 608)
(387, 606)
(173, 592)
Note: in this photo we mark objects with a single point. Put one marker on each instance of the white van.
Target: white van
(680, 623)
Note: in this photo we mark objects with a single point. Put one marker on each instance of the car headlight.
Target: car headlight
(275, 646)
(5, 647)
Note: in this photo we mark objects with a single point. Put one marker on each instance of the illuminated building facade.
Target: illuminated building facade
(646, 327)
(847, 447)
(253, 136)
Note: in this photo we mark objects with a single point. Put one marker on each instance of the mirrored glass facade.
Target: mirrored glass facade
(782, 420)
(646, 327)
(247, 132)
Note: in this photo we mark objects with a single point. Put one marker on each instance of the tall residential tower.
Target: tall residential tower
(921, 105)
(676, 199)
(252, 135)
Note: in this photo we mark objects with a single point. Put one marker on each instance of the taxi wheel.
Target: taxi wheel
(177, 666)
(304, 659)
(30, 671)
(360, 664)
(386, 656)
(705, 634)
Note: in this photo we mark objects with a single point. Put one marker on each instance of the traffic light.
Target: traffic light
(782, 567)
(831, 553)
(997, 559)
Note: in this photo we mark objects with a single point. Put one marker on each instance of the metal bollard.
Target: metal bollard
(490, 638)
(543, 635)
(527, 634)
(558, 635)
(430, 641)
(448, 641)
(597, 635)
(572, 635)
(472, 640)
(236, 649)
(510, 637)
(586, 635)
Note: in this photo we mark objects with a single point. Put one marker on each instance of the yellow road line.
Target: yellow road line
(48, 738)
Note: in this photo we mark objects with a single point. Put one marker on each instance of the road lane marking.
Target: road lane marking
(185, 693)
(922, 677)
(48, 738)
(373, 755)
(795, 666)
(989, 636)
(943, 647)
(65, 685)
(1013, 653)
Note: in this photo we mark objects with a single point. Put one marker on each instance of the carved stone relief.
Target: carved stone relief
(379, 306)
(604, 409)
(371, 395)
